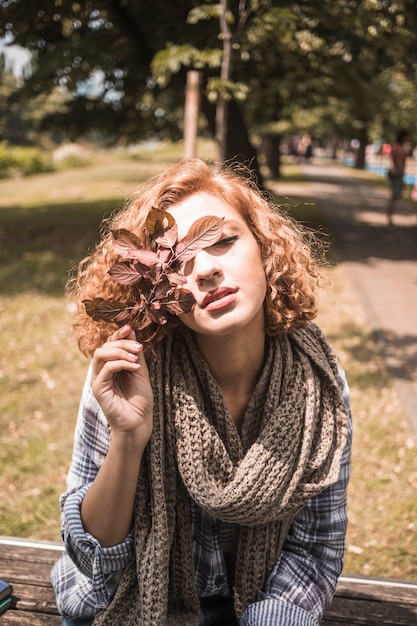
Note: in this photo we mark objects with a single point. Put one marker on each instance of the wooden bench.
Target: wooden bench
(358, 600)
(373, 602)
(26, 565)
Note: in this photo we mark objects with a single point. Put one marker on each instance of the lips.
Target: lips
(217, 295)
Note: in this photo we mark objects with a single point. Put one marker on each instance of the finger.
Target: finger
(110, 369)
(125, 332)
(119, 348)
(141, 359)
(105, 380)
(124, 352)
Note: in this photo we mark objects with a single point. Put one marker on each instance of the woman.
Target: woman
(212, 449)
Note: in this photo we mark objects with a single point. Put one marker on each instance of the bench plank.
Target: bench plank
(26, 565)
(358, 601)
(372, 602)
(387, 590)
(368, 613)
(19, 618)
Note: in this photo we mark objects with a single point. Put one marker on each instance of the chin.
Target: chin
(225, 323)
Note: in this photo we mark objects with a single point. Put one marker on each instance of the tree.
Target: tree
(73, 42)
(16, 119)
(365, 43)
(266, 61)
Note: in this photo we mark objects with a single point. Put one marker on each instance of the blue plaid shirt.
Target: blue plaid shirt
(296, 591)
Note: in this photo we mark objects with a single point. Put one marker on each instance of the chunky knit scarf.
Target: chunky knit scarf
(288, 450)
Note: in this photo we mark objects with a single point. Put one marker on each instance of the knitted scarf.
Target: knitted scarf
(288, 450)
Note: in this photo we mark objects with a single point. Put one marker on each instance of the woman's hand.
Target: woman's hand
(120, 382)
(121, 385)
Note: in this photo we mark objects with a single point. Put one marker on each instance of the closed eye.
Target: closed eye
(226, 241)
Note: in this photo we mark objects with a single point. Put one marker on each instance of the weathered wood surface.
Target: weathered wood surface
(373, 602)
(26, 565)
(358, 601)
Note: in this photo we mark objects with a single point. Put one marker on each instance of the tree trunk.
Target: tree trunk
(222, 108)
(238, 145)
(271, 150)
(361, 155)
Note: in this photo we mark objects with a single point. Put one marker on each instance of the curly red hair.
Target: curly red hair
(291, 268)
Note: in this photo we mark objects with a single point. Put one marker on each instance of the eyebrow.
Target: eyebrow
(231, 222)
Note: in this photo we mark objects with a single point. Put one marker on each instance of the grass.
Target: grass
(47, 223)
(382, 533)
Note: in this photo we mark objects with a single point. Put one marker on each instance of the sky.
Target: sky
(17, 59)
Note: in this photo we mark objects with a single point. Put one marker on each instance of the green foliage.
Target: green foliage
(70, 155)
(205, 12)
(227, 88)
(20, 161)
(72, 160)
(350, 63)
(172, 58)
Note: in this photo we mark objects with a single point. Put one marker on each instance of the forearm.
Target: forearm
(107, 507)
(121, 386)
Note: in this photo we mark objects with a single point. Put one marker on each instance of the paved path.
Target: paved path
(381, 262)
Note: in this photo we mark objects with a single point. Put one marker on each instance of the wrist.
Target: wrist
(129, 441)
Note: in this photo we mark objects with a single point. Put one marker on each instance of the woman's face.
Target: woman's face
(226, 279)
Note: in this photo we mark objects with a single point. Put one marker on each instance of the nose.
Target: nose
(205, 267)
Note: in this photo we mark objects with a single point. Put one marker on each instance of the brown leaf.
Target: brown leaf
(145, 270)
(182, 301)
(106, 310)
(203, 233)
(169, 238)
(158, 315)
(124, 274)
(164, 255)
(162, 227)
(125, 241)
(124, 317)
(163, 289)
(145, 257)
(176, 279)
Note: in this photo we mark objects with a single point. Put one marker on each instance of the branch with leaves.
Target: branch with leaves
(154, 278)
